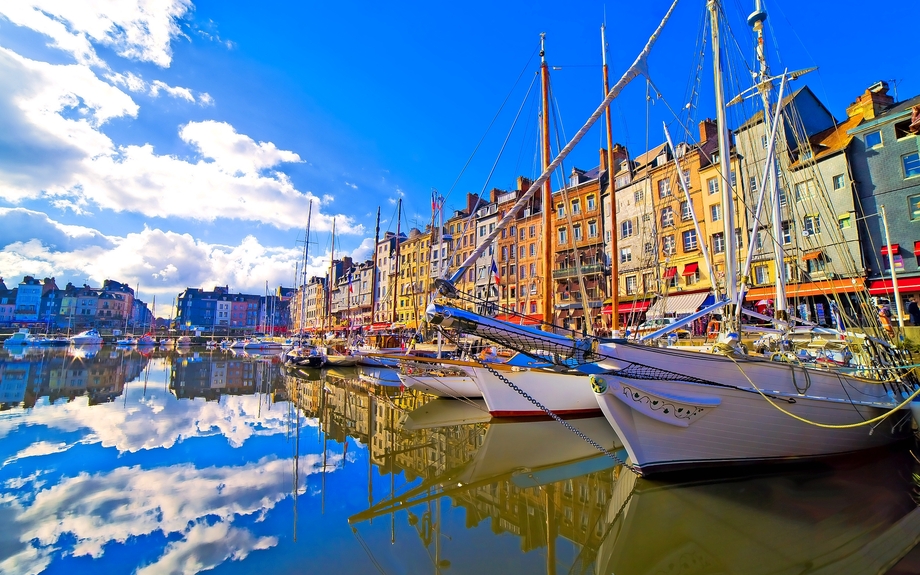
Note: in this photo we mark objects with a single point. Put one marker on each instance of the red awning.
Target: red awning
(532, 319)
(670, 272)
(883, 287)
(812, 255)
(917, 248)
(808, 289)
(895, 248)
(629, 306)
(690, 269)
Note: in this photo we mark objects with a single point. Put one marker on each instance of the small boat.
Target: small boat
(126, 341)
(184, 341)
(20, 338)
(146, 340)
(88, 337)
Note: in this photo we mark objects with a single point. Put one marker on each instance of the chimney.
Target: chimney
(619, 156)
(603, 164)
(709, 130)
(872, 102)
(523, 184)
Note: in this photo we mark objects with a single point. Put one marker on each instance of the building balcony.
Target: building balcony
(573, 272)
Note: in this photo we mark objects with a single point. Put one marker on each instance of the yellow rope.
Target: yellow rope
(825, 425)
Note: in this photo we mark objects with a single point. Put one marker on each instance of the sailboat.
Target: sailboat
(677, 409)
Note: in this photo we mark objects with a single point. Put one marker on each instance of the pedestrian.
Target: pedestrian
(913, 310)
(884, 315)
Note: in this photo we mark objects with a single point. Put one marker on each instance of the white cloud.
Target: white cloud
(37, 449)
(134, 29)
(364, 251)
(174, 91)
(163, 261)
(351, 185)
(49, 121)
(233, 152)
(205, 99)
(328, 198)
(204, 547)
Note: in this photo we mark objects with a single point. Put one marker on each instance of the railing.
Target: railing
(572, 272)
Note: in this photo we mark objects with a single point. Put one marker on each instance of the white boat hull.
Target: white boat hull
(447, 386)
(668, 423)
(563, 394)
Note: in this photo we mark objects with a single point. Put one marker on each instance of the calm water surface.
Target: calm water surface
(115, 461)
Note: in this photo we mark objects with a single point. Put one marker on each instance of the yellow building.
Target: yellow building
(413, 280)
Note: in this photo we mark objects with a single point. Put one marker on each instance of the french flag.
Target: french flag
(494, 271)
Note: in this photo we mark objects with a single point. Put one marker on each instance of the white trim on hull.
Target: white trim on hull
(668, 424)
(561, 393)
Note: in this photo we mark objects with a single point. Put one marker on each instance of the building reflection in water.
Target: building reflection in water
(533, 480)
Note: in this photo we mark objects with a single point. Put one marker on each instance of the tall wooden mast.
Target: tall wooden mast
(330, 280)
(396, 275)
(374, 268)
(547, 192)
(611, 193)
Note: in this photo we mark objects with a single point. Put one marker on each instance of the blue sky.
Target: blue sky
(175, 143)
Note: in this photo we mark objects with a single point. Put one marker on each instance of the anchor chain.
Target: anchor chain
(555, 416)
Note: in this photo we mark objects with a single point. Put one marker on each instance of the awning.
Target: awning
(670, 272)
(807, 289)
(381, 325)
(917, 248)
(895, 248)
(812, 255)
(678, 304)
(883, 287)
(629, 306)
(690, 269)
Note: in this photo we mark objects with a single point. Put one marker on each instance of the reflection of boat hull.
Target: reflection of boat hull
(563, 394)
(335, 360)
(669, 424)
(443, 412)
(853, 520)
(380, 376)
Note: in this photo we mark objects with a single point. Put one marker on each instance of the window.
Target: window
(802, 191)
(632, 285)
(787, 233)
(685, 211)
(504, 253)
(758, 241)
(913, 204)
(667, 217)
(815, 265)
(563, 237)
(911, 163)
(523, 234)
(626, 229)
(686, 178)
(898, 262)
(668, 245)
(739, 238)
(522, 251)
(873, 139)
(482, 231)
(591, 203)
(533, 231)
(638, 196)
(782, 196)
(753, 183)
(646, 217)
(761, 275)
(713, 185)
(576, 232)
(839, 181)
(592, 229)
(560, 210)
(811, 225)
(902, 130)
(715, 212)
(844, 221)
(689, 239)
(664, 188)
(648, 248)
(718, 243)
(576, 206)
(533, 307)
(512, 231)
(533, 250)
(648, 281)
(733, 180)
(625, 255)
(533, 270)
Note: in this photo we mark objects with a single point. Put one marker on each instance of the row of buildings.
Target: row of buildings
(40, 302)
(835, 179)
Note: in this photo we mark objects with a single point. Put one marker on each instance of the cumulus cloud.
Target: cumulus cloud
(134, 29)
(174, 91)
(163, 261)
(232, 152)
(364, 251)
(351, 185)
(53, 148)
(204, 547)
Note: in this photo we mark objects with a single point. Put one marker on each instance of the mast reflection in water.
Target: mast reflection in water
(116, 461)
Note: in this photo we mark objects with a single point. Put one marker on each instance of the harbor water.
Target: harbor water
(133, 461)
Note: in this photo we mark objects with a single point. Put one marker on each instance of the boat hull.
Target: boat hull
(669, 424)
(563, 394)
(454, 386)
